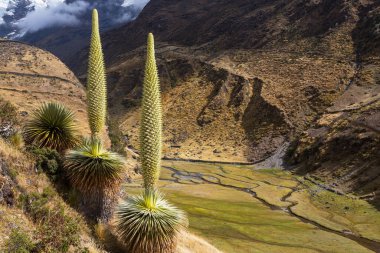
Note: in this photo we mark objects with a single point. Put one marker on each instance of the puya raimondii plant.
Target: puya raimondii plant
(96, 81)
(91, 168)
(52, 126)
(147, 222)
(151, 121)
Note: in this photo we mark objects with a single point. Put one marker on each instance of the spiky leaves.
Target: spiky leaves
(52, 125)
(148, 223)
(92, 169)
(151, 121)
(96, 81)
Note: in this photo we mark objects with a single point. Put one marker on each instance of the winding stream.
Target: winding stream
(198, 178)
(217, 199)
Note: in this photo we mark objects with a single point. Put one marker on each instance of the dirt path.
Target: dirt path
(37, 76)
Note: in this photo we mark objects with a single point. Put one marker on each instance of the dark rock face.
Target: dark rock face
(227, 24)
(7, 192)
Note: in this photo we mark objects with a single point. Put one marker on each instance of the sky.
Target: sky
(56, 13)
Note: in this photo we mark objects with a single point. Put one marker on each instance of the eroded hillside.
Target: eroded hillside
(240, 100)
(342, 146)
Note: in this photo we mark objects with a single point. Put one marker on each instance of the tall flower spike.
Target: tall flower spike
(151, 121)
(96, 81)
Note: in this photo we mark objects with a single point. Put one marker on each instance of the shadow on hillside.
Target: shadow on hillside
(264, 125)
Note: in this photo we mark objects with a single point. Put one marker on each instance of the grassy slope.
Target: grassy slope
(27, 182)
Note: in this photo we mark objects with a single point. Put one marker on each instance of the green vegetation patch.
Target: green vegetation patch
(230, 218)
(341, 212)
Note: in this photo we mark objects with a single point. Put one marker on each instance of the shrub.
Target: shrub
(148, 223)
(52, 126)
(17, 140)
(8, 118)
(18, 242)
(49, 161)
(8, 112)
(116, 137)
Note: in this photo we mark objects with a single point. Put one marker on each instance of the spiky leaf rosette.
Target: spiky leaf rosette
(96, 81)
(52, 125)
(148, 223)
(92, 169)
(151, 121)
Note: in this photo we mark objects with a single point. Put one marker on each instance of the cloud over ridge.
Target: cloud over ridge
(55, 14)
(43, 14)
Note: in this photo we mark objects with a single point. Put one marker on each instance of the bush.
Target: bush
(19, 242)
(8, 119)
(8, 112)
(17, 140)
(116, 136)
(48, 161)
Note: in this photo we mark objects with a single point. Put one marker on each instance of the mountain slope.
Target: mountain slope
(242, 79)
(31, 76)
(342, 147)
(251, 89)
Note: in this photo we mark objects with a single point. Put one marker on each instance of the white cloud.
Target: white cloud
(139, 4)
(52, 13)
(3, 8)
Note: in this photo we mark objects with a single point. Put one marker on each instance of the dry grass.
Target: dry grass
(189, 243)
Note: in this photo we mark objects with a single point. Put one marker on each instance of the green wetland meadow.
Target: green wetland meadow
(241, 209)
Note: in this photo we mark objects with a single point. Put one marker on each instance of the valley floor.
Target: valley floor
(240, 209)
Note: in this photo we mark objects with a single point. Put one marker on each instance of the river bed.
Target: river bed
(238, 208)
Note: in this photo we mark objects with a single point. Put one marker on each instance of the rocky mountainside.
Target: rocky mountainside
(342, 146)
(243, 79)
